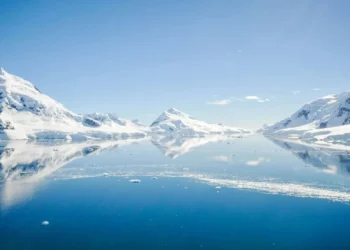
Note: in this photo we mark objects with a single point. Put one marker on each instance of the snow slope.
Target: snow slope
(325, 119)
(174, 121)
(26, 113)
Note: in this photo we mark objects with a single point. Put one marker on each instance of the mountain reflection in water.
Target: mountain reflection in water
(24, 165)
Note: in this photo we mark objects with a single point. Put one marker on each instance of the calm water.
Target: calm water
(204, 193)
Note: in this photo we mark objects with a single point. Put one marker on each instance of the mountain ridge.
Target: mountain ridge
(26, 113)
(324, 119)
(175, 121)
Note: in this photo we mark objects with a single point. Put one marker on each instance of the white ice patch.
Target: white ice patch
(45, 223)
(290, 189)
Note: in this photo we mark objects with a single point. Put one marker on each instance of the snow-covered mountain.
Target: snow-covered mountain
(26, 113)
(327, 119)
(175, 121)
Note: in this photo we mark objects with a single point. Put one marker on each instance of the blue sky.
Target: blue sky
(138, 58)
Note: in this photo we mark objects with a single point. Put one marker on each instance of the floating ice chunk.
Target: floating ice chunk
(186, 169)
(135, 180)
(217, 187)
(155, 178)
(45, 223)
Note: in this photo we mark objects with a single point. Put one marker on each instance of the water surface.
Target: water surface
(195, 193)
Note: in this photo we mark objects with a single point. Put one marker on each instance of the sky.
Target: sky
(242, 62)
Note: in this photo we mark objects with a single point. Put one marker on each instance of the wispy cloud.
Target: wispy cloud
(296, 92)
(220, 102)
(244, 99)
(316, 89)
(256, 98)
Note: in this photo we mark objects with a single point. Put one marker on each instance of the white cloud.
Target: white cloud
(244, 99)
(220, 102)
(256, 98)
(316, 89)
(252, 97)
(296, 92)
(257, 162)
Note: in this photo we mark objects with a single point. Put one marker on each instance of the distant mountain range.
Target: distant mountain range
(28, 114)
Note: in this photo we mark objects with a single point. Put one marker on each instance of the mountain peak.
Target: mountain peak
(2, 71)
(325, 112)
(173, 111)
(29, 114)
(177, 122)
